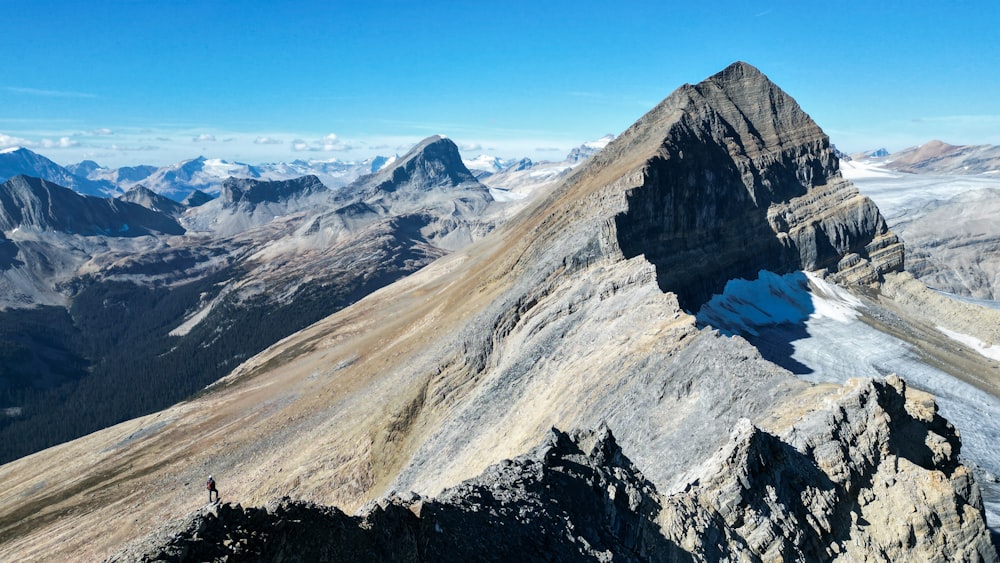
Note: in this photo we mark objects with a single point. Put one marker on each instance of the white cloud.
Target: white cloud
(102, 131)
(327, 143)
(6, 141)
(471, 147)
(61, 143)
(203, 138)
(262, 140)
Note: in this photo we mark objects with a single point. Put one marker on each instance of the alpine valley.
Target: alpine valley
(693, 341)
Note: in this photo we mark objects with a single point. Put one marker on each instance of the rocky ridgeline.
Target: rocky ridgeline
(871, 476)
(36, 205)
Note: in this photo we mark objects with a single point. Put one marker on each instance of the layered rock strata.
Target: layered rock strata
(814, 492)
(744, 180)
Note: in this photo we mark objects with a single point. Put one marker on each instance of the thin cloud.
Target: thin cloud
(61, 143)
(204, 138)
(140, 148)
(327, 143)
(262, 140)
(48, 93)
(548, 149)
(101, 132)
(7, 141)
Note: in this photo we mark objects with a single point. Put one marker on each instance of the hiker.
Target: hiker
(212, 489)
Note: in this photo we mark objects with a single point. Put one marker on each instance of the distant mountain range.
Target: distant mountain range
(938, 157)
(202, 284)
(200, 177)
(16, 161)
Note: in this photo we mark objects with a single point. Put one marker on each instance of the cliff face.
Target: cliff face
(34, 204)
(744, 180)
(814, 492)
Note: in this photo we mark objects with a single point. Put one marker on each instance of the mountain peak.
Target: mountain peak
(723, 179)
(249, 191)
(35, 203)
(141, 195)
(433, 163)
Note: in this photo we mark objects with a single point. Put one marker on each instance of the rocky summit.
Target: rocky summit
(413, 408)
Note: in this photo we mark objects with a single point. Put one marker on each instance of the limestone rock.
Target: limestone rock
(871, 476)
(744, 180)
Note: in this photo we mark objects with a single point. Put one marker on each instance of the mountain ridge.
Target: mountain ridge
(561, 317)
(27, 202)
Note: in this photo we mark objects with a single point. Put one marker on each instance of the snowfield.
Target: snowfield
(816, 330)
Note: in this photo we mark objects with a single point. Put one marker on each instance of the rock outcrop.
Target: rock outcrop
(248, 193)
(814, 493)
(149, 199)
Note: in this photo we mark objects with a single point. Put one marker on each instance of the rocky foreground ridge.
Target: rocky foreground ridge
(812, 492)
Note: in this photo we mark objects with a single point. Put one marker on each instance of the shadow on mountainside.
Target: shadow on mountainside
(696, 220)
(8, 254)
(770, 312)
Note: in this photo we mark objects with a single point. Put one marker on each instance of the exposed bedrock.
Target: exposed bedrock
(744, 181)
(872, 475)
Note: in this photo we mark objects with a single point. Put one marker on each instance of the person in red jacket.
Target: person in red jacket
(211, 489)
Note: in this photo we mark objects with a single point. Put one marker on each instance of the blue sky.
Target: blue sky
(133, 81)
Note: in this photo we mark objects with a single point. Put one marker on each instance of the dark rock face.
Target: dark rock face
(432, 164)
(574, 498)
(149, 199)
(197, 198)
(744, 181)
(249, 193)
(27, 202)
(8, 253)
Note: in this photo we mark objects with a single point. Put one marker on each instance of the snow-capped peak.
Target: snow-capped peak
(485, 162)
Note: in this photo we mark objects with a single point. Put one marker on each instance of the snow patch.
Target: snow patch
(747, 306)
(992, 352)
(854, 169)
(193, 321)
(501, 195)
